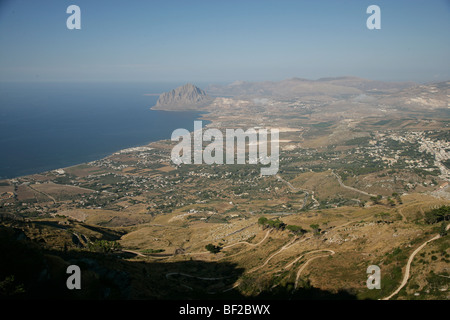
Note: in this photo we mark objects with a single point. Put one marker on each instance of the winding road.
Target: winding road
(308, 261)
(408, 265)
(286, 246)
(294, 189)
(350, 188)
(232, 245)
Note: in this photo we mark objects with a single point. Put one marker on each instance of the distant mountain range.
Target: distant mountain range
(297, 87)
(398, 94)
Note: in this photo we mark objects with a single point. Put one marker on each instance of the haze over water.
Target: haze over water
(46, 126)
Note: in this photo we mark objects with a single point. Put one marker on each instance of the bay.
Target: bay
(46, 126)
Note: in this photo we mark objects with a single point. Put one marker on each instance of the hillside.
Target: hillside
(298, 87)
(186, 97)
(358, 177)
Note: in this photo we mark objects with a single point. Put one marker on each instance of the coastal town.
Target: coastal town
(352, 191)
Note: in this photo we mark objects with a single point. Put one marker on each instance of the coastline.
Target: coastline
(200, 116)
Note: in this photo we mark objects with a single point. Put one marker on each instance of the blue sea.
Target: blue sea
(46, 126)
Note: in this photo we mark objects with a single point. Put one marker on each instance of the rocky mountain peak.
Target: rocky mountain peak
(185, 96)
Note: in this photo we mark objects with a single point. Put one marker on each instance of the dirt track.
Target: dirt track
(408, 265)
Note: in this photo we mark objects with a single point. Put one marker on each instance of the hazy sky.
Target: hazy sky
(223, 41)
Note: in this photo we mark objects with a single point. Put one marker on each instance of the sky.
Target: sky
(223, 41)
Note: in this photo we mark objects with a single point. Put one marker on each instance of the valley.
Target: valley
(362, 164)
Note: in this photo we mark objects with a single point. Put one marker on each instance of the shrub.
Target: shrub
(104, 246)
(437, 215)
(296, 229)
(212, 248)
(315, 228)
(262, 221)
(443, 229)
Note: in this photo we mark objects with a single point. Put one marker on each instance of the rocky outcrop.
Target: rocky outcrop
(187, 97)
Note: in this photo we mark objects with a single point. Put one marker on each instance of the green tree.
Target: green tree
(443, 229)
(374, 200)
(104, 246)
(315, 228)
(212, 248)
(437, 215)
(276, 224)
(391, 202)
(9, 287)
(262, 221)
(296, 229)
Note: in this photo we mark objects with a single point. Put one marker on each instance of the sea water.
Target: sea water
(46, 126)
